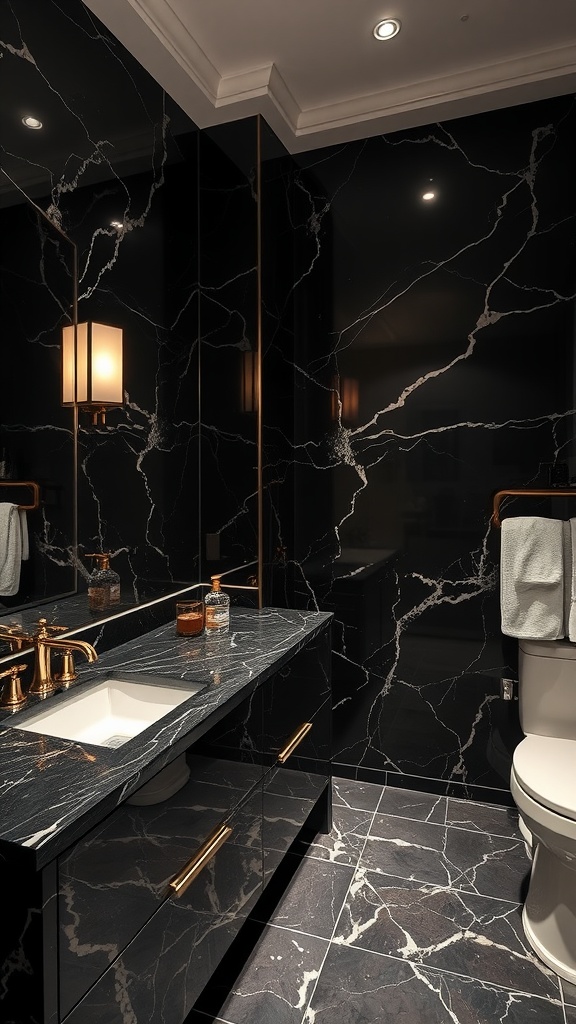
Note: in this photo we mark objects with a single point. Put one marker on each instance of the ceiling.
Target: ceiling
(313, 69)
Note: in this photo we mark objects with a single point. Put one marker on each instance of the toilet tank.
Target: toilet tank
(547, 687)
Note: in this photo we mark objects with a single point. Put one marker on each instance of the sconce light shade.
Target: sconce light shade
(345, 399)
(92, 367)
(249, 395)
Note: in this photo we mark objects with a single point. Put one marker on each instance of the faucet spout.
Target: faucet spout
(83, 646)
(43, 683)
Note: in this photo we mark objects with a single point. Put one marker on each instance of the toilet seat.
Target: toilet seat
(544, 768)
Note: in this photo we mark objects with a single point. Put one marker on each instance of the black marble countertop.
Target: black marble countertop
(53, 790)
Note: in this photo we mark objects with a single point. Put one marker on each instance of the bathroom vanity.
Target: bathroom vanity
(133, 868)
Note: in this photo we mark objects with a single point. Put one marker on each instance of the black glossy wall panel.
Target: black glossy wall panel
(433, 365)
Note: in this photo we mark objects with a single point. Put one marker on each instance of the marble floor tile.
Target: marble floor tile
(409, 849)
(409, 804)
(357, 987)
(570, 1014)
(568, 992)
(491, 865)
(427, 923)
(346, 841)
(447, 929)
(314, 897)
(277, 981)
(446, 856)
(359, 795)
(476, 817)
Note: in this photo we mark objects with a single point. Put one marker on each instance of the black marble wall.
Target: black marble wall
(165, 227)
(416, 357)
(433, 365)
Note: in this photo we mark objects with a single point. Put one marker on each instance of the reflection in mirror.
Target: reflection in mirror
(118, 167)
(37, 436)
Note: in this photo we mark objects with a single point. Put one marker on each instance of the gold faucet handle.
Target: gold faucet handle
(12, 696)
(14, 636)
(45, 631)
(68, 673)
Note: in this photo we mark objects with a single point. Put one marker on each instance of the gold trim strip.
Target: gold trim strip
(195, 865)
(294, 741)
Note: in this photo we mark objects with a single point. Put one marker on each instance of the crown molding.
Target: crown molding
(157, 37)
(450, 88)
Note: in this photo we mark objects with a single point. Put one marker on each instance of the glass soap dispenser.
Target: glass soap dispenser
(103, 583)
(217, 607)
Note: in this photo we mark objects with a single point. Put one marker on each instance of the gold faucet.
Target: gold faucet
(44, 643)
(14, 635)
(43, 683)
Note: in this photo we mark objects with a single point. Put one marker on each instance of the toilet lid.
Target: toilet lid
(545, 768)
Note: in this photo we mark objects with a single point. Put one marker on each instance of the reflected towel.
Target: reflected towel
(10, 549)
(571, 573)
(24, 534)
(532, 577)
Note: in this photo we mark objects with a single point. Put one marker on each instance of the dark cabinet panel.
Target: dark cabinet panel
(161, 973)
(297, 746)
(291, 699)
(116, 878)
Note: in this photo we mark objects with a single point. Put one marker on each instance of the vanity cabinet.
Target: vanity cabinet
(130, 922)
(171, 955)
(297, 732)
(116, 905)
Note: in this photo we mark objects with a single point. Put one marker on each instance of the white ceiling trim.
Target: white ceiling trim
(509, 74)
(166, 47)
(160, 17)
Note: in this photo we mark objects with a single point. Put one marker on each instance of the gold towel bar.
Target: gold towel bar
(25, 483)
(539, 492)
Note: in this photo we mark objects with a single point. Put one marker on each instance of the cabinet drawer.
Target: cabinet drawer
(118, 876)
(291, 700)
(159, 976)
(292, 787)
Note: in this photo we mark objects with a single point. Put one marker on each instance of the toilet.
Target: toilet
(543, 785)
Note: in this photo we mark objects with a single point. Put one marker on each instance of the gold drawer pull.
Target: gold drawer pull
(215, 840)
(294, 741)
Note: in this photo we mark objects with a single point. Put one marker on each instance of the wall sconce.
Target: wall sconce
(345, 399)
(249, 382)
(92, 368)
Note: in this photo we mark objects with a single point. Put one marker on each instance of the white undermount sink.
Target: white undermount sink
(111, 712)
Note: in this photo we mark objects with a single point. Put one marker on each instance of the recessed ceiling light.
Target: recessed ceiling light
(428, 196)
(31, 122)
(387, 29)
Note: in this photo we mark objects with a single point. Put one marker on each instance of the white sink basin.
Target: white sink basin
(109, 713)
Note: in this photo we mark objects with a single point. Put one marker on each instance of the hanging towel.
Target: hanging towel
(24, 533)
(10, 549)
(571, 574)
(532, 577)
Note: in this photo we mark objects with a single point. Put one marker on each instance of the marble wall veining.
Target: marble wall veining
(416, 357)
(433, 365)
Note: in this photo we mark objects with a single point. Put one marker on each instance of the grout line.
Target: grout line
(338, 916)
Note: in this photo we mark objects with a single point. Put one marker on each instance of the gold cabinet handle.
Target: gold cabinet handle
(293, 742)
(192, 869)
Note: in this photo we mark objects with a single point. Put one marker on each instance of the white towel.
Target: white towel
(10, 549)
(24, 533)
(571, 574)
(532, 577)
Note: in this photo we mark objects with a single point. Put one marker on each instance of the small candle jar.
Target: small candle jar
(189, 617)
